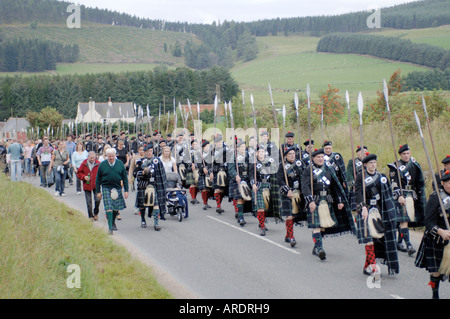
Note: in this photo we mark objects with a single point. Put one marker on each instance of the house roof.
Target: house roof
(115, 109)
(12, 125)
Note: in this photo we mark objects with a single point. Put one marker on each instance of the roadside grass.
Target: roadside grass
(40, 237)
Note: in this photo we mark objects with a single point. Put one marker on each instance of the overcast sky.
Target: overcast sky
(207, 11)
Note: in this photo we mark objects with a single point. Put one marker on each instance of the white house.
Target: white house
(110, 111)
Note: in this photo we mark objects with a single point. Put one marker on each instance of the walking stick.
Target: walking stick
(256, 146)
(245, 114)
(275, 119)
(298, 125)
(347, 97)
(386, 96)
(360, 111)
(431, 135)
(445, 263)
(308, 94)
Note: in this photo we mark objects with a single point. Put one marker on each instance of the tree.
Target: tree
(42, 120)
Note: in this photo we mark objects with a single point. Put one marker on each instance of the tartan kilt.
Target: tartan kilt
(313, 218)
(286, 206)
(233, 189)
(109, 203)
(259, 197)
(430, 254)
(140, 198)
(201, 182)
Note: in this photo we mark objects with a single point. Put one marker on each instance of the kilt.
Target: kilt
(109, 203)
(233, 189)
(140, 198)
(259, 197)
(429, 255)
(201, 182)
(286, 206)
(313, 218)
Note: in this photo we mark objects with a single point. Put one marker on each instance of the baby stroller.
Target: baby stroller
(177, 204)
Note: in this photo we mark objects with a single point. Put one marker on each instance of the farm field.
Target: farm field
(290, 63)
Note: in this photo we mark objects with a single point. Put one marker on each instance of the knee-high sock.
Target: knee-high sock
(235, 205)
(289, 228)
(317, 239)
(218, 197)
(193, 190)
(370, 256)
(404, 234)
(109, 216)
(240, 211)
(434, 284)
(205, 196)
(142, 211)
(156, 216)
(261, 218)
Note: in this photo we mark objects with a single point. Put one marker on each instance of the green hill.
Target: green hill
(101, 43)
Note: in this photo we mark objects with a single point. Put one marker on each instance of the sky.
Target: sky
(208, 11)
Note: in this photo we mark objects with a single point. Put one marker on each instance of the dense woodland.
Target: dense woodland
(22, 94)
(391, 48)
(35, 55)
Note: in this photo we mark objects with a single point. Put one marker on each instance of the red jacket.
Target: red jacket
(83, 171)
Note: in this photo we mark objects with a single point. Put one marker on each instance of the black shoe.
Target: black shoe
(401, 247)
(293, 242)
(242, 222)
(114, 227)
(410, 249)
(205, 207)
(262, 232)
(319, 252)
(157, 228)
(286, 239)
(219, 210)
(143, 224)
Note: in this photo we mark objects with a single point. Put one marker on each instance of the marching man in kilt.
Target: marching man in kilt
(411, 198)
(432, 254)
(327, 208)
(219, 169)
(337, 161)
(238, 175)
(376, 218)
(151, 187)
(195, 158)
(360, 153)
(108, 185)
(261, 186)
(205, 172)
(289, 177)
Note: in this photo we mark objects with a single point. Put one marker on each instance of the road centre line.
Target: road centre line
(255, 235)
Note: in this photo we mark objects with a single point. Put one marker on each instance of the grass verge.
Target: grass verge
(41, 237)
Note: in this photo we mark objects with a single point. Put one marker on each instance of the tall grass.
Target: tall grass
(40, 237)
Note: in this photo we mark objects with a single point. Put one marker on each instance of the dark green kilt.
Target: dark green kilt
(430, 253)
(109, 203)
(140, 198)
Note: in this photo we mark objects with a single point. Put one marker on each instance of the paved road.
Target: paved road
(210, 256)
